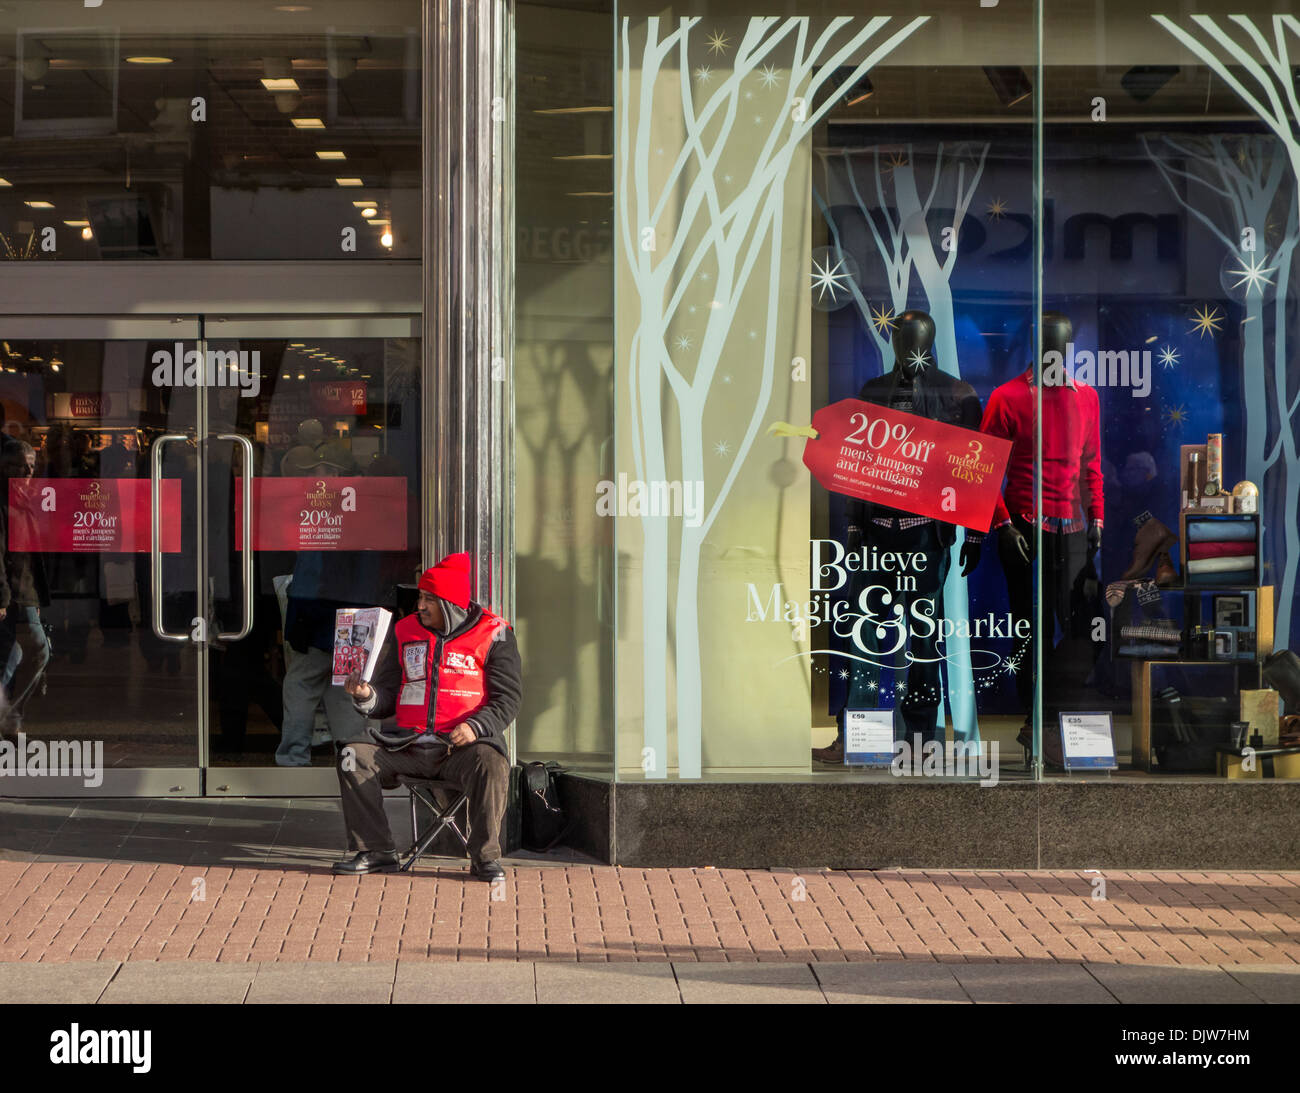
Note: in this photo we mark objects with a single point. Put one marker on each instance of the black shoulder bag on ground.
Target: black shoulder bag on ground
(544, 823)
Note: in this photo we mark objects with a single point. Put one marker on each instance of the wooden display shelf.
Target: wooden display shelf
(1142, 698)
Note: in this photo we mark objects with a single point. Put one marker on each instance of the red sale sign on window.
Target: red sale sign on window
(338, 397)
(325, 513)
(80, 515)
(907, 462)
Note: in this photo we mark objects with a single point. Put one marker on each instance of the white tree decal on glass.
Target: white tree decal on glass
(1262, 74)
(905, 242)
(681, 217)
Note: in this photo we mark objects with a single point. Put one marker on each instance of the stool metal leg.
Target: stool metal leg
(447, 818)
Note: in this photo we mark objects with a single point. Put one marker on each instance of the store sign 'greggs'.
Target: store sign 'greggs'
(209, 368)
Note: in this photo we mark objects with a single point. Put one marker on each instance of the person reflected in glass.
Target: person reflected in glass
(24, 590)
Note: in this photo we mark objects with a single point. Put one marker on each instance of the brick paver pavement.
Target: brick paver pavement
(62, 912)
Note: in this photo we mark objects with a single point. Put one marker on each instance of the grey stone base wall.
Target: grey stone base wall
(1049, 825)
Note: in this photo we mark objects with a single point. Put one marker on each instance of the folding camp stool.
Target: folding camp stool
(423, 791)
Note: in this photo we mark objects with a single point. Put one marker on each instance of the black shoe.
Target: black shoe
(487, 870)
(369, 861)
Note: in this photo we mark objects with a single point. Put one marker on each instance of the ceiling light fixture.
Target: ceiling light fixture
(331, 155)
(39, 204)
(287, 83)
(149, 60)
(307, 123)
(350, 181)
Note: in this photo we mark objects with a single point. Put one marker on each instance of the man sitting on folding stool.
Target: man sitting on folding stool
(451, 674)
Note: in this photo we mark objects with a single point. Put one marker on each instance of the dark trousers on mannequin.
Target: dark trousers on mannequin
(922, 690)
(1064, 557)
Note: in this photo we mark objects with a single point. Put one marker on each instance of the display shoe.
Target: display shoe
(1152, 537)
(1282, 673)
(1026, 740)
(1166, 574)
(833, 754)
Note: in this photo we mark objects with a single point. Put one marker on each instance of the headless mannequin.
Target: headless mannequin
(915, 385)
(1067, 547)
(1058, 331)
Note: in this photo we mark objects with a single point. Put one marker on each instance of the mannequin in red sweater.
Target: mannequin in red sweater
(1072, 497)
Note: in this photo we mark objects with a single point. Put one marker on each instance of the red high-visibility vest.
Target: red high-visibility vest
(455, 684)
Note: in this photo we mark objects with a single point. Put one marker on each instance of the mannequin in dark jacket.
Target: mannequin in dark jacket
(468, 748)
(917, 386)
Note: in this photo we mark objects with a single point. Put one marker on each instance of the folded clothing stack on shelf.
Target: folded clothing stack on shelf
(1157, 640)
(1141, 623)
(1221, 552)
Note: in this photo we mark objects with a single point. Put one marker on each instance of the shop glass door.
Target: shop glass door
(99, 574)
(189, 501)
(312, 487)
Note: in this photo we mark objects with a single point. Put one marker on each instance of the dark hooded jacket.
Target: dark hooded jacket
(933, 394)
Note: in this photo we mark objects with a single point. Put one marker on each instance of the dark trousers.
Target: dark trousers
(923, 688)
(1064, 559)
(478, 768)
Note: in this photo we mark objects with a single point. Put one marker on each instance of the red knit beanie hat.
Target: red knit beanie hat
(449, 579)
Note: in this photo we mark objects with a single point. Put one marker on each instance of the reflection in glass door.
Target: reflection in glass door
(183, 517)
(99, 571)
(313, 493)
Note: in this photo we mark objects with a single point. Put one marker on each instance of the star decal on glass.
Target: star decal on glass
(769, 77)
(718, 42)
(1168, 356)
(895, 160)
(1207, 321)
(721, 448)
(829, 281)
(997, 209)
(882, 320)
(703, 74)
(1253, 275)
(682, 341)
(873, 686)
(918, 358)
(1176, 415)
(844, 673)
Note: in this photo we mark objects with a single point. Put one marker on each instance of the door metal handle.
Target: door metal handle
(246, 546)
(155, 537)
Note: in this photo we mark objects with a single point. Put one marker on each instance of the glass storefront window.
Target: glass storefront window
(865, 522)
(150, 131)
(1169, 229)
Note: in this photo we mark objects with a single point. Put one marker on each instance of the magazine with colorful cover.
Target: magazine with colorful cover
(359, 634)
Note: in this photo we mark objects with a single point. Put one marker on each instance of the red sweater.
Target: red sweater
(1071, 448)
